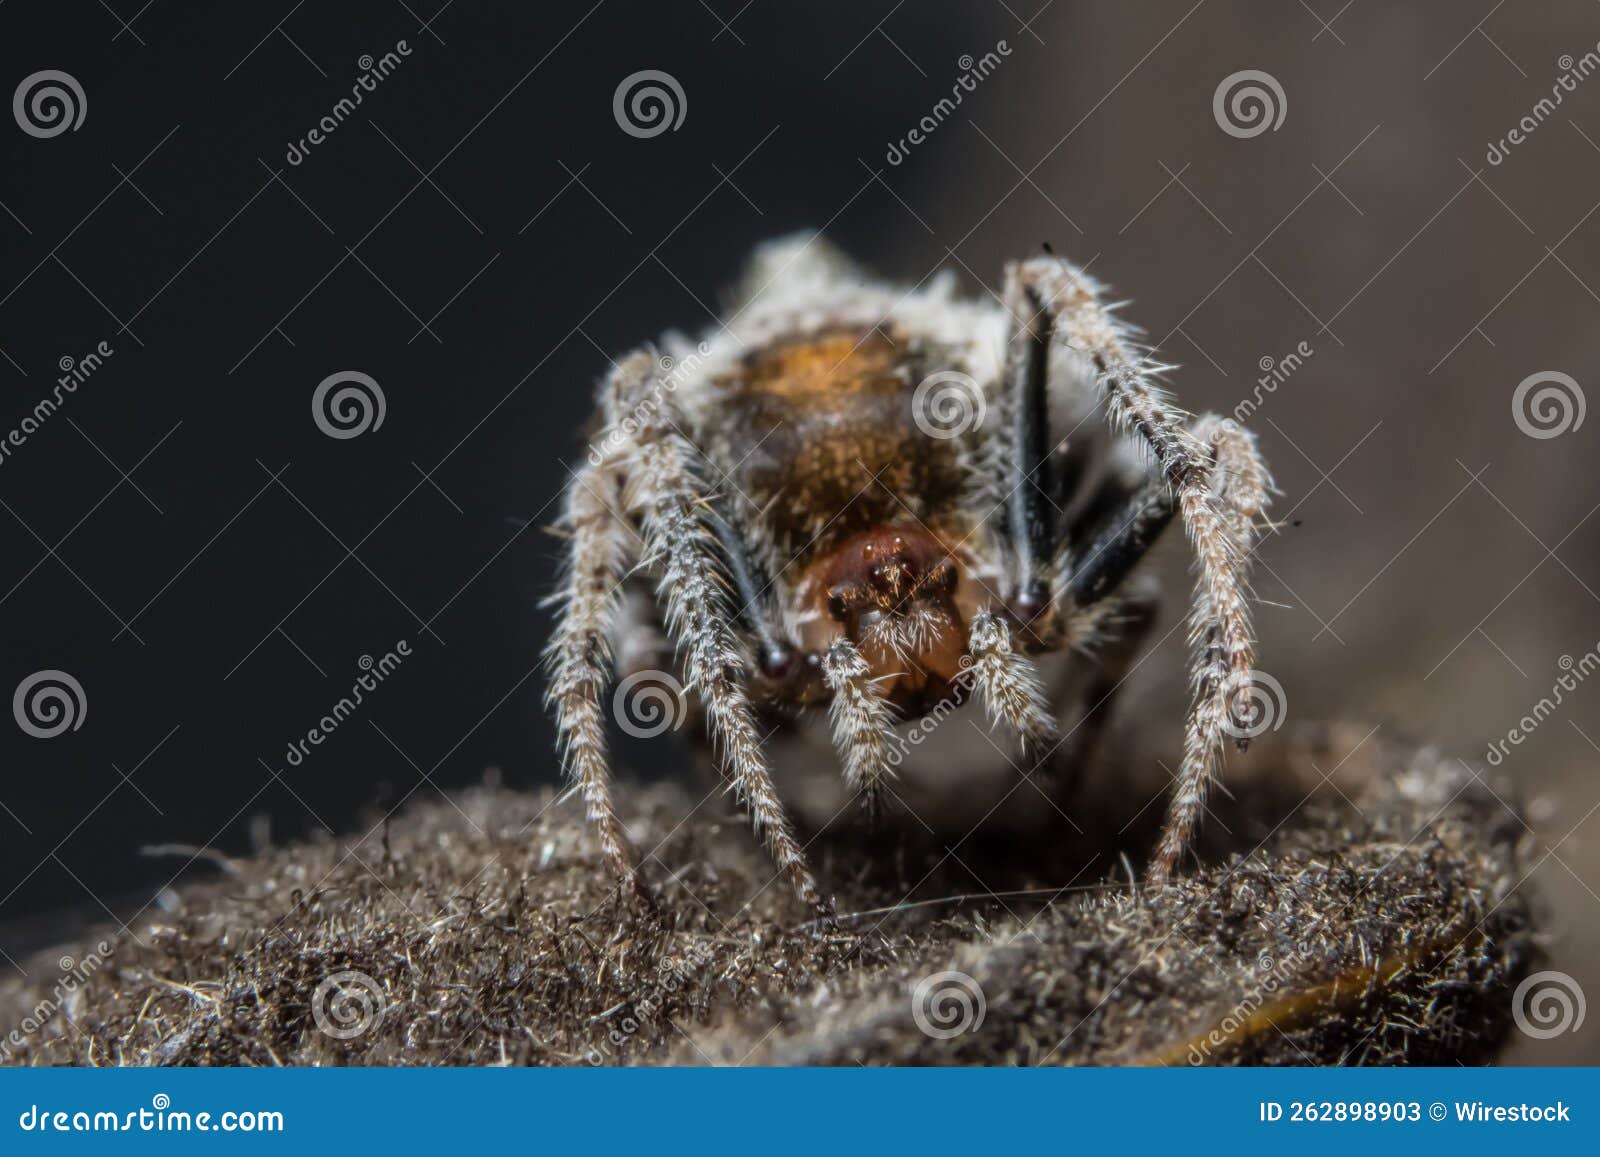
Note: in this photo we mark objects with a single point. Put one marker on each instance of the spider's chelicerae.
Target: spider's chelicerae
(875, 499)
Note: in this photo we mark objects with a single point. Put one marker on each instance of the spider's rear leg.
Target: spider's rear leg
(667, 489)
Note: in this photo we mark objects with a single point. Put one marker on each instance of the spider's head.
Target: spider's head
(893, 590)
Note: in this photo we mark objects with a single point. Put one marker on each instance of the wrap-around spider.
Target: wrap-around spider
(875, 498)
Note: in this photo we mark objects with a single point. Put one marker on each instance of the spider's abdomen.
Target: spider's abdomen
(819, 432)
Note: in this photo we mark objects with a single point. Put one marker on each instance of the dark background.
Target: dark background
(242, 288)
(1438, 565)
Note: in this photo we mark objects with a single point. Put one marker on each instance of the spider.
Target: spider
(872, 499)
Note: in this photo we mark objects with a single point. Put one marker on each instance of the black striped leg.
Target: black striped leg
(1032, 523)
(1113, 535)
(753, 590)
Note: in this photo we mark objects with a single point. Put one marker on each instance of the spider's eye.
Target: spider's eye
(837, 607)
(779, 661)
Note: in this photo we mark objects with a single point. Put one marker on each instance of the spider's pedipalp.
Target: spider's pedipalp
(1008, 683)
(666, 487)
(1218, 504)
(580, 651)
(862, 725)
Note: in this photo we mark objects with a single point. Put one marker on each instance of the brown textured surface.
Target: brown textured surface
(1378, 928)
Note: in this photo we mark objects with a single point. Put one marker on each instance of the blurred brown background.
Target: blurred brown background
(1440, 562)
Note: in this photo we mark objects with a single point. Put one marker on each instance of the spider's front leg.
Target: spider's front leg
(1219, 489)
(1237, 485)
(601, 545)
(666, 489)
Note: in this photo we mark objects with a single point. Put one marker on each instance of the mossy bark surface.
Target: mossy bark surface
(1372, 918)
